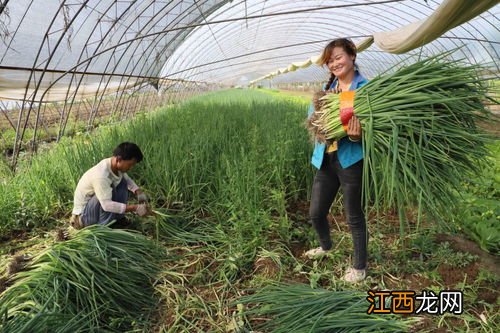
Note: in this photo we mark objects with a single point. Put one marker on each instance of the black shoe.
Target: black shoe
(122, 223)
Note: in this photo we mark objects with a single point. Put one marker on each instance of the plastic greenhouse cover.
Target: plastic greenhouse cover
(69, 50)
(240, 51)
(80, 48)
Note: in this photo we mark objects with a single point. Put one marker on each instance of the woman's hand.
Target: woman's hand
(354, 129)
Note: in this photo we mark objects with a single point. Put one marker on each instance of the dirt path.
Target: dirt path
(491, 262)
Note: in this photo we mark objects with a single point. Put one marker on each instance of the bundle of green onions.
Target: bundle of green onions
(420, 136)
(102, 279)
(298, 308)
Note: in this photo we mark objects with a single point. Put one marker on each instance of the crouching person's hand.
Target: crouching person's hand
(141, 196)
(142, 210)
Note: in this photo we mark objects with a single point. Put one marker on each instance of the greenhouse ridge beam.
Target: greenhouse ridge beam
(60, 71)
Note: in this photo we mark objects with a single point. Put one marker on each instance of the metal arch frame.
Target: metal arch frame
(328, 7)
(262, 66)
(153, 46)
(246, 55)
(195, 57)
(275, 57)
(151, 43)
(159, 38)
(84, 49)
(295, 73)
(124, 33)
(47, 61)
(36, 90)
(251, 61)
(73, 69)
(233, 32)
(135, 39)
(190, 76)
(264, 36)
(159, 14)
(479, 32)
(37, 84)
(3, 5)
(409, 13)
(168, 44)
(136, 19)
(307, 11)
(241, 64)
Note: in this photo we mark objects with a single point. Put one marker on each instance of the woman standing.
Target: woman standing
(340, 164)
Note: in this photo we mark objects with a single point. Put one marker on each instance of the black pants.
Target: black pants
(326, 184)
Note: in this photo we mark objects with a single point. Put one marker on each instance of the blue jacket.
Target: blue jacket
(348, 152)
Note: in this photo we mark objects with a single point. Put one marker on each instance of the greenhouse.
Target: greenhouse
(249, 166)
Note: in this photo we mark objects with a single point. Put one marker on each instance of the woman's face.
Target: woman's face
(340, 63)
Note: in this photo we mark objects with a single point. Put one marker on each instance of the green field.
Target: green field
(230, 174)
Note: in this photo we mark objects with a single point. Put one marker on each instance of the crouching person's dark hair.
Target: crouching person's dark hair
(128, 151)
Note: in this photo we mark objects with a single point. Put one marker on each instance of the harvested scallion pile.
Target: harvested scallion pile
(420, 136)
(102, 279)
(298, 308)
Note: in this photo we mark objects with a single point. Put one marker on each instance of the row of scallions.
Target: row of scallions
(420, 133)
(283, 308)
(100, 280)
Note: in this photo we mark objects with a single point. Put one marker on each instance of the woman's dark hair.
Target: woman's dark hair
(344, 43)
(128, 151)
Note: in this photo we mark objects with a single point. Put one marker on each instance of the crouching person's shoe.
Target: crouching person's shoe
(353, 275)
(75, 222)
(122, 223)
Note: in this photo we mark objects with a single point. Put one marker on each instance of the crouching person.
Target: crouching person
(102, 193)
